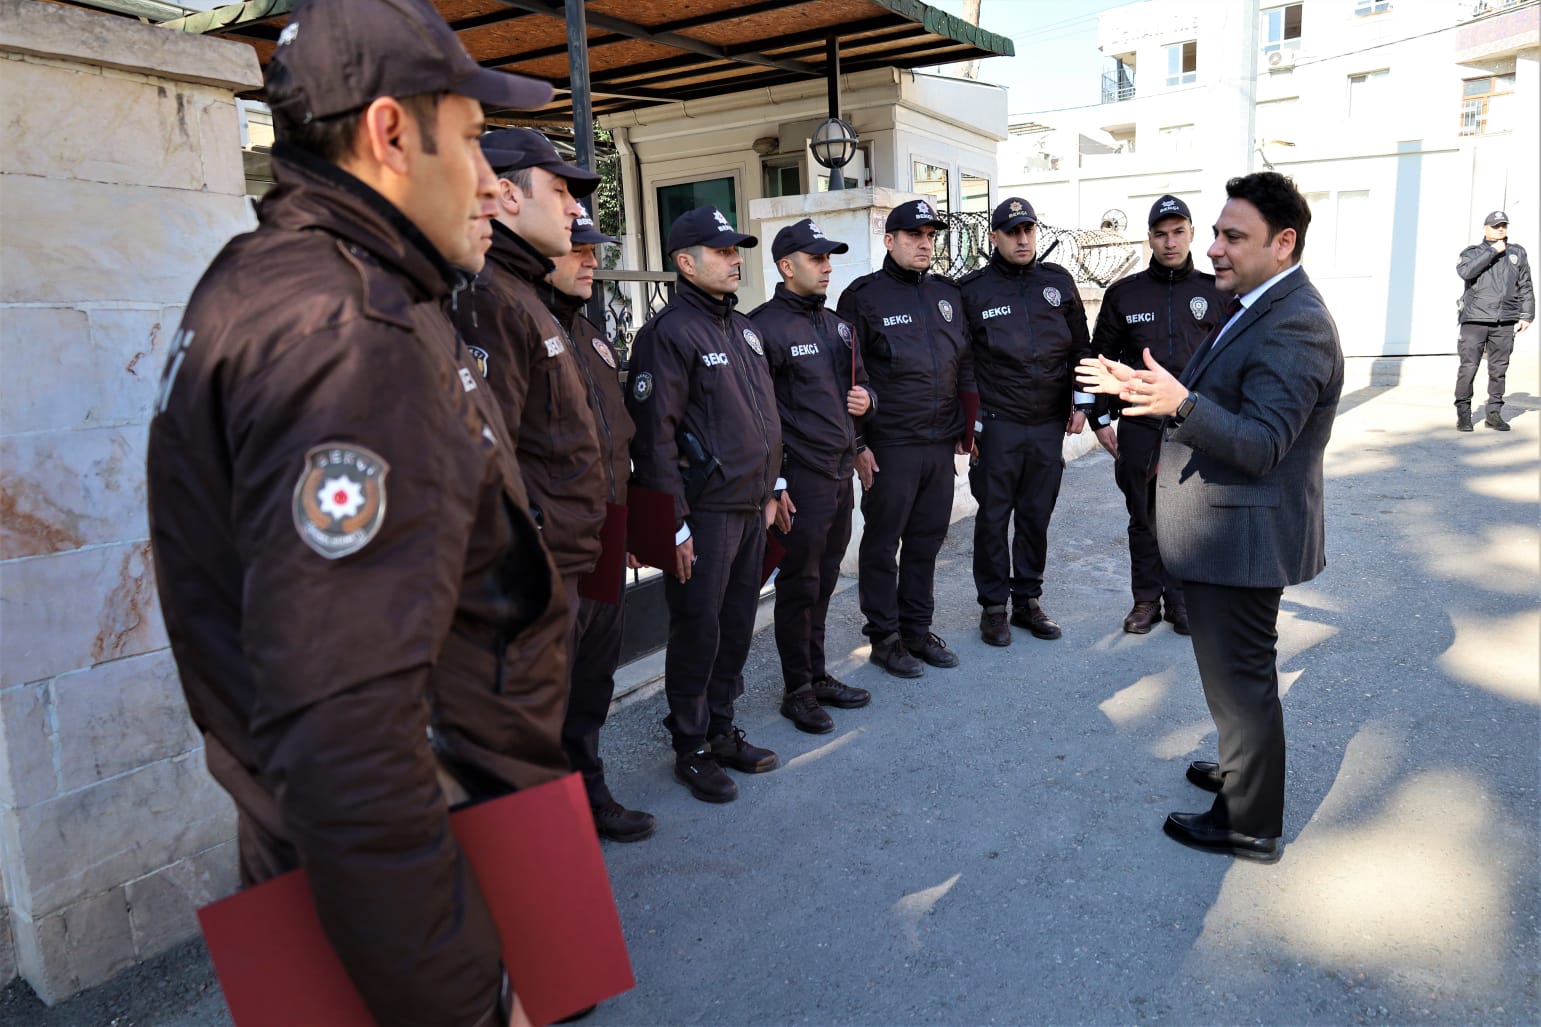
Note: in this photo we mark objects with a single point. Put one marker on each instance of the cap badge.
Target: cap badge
(945, 309)
(642, 388)
(288, 35)
(1052, 295)
(754, 341)
(722, 221)
(1016, 206)
(1199, 306)
(815, 230)
(339, 501)
(922, 209)
(603, 350)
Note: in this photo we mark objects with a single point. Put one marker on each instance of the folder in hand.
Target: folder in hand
(650, 527)
(537, 861)
(774, 551)
(604, 583)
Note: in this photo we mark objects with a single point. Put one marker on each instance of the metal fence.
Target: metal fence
(624, 300)
(1097, 256)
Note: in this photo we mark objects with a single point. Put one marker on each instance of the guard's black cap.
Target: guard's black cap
(911, 215)
(1168, 207)
(1011, 212)
(705, 226)
(509, 149)
(342, 55)
(804, 237)
(1495, 219)
(586, 232)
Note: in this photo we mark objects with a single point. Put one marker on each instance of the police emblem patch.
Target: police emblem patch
(922, 209)
(604, 352)
(480, 356)
(339, 501)
(1514, 259)
(754, 341)
(1016, 206)
(1199, 306)
(946, 310)
(1052, 295)
(642, 388)
(845, 333)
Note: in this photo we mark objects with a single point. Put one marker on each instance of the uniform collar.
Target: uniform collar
(1167, 275)
(904, 274)
(1009, 269)
(807, 304)
(512, 252)
(704, 301)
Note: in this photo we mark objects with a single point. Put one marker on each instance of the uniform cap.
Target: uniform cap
(705, 226)
(1496, 218)
(1011, 212)
(585, 232)
(911, 215)
(804, 237)
(342, 55)
(509, 149)
(1168, 207)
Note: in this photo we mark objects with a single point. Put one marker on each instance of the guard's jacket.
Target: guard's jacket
(910, 328)
(1498, 286)
(698, 367)
(600, 364)
(1169, 311)
(537, 379)
(338, 524)
(1027, 328)
(814, 363)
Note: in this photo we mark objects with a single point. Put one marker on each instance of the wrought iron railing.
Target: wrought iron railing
(1117, 86)
(624, 300)
(1097, 256)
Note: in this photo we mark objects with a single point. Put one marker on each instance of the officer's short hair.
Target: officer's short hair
(522, 178)
(1278, 201)
(332, 138)
(696, 253)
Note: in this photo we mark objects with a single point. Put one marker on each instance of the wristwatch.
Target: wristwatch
(1185, 408)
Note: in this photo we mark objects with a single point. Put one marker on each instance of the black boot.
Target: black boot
(1495, 421)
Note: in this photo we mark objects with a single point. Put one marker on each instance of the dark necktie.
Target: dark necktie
(1229, 312)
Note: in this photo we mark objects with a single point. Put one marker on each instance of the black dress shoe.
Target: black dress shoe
(834, 692)
(1177, 616)
(1031, 616)
(1145, 615)
(933, 650)
(1197, 831)
(1206, 775)
(992, 626)
(619, 824)
(733, 750)
(703, 775)
(890, 654)
(802, 708)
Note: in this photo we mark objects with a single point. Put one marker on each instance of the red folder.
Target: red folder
(970, 402)
(774, 551)
(603, 583)
(537, 860)
(650, 527)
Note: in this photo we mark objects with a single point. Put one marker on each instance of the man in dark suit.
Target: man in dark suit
(1240, 490)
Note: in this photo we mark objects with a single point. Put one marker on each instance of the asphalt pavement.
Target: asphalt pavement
(983, 845)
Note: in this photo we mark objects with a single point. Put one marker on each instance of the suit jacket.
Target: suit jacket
(1240, 485)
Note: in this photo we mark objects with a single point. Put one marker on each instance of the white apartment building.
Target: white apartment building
(1403, 121)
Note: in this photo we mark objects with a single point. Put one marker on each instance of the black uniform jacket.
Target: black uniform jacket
(1169, 311)
(698, 366)
(1027, 328)
(814, 363)
(1498, 286)
(915, 350)
(600, 364)
(538, 381)
(339, 531)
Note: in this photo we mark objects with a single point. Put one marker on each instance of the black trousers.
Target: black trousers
(1498, 342)
(906, 514)
(809, 571)
(1235, 631)
(593, 651)
(711, 623)
(1139, 451)
(1016, 481)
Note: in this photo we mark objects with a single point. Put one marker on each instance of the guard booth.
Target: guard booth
(716, 101)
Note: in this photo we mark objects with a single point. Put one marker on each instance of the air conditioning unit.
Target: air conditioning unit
(1281, 60)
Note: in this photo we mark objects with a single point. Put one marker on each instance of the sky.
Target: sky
(1057, 63)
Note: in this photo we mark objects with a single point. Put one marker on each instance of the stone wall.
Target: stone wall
(120, 177)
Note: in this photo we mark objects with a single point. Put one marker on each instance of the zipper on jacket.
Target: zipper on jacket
(936, 403)
(754, 399)
(594, 403)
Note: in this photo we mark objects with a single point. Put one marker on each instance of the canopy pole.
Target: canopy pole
(832, 71)
(582, 96)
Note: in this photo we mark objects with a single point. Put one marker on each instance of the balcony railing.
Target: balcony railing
(1116, 87)
(1485, 8)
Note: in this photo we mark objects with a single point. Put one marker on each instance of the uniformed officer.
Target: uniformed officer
(910, 326)
(1497, 302)
(1168, 309)
(1027, 328)
(708, 437)
(339, 528)
(595, 647)
(822, 396)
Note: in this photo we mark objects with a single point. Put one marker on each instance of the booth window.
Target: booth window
(931, 182)
(674, 200)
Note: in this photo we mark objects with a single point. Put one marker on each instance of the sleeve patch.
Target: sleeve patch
(339, 501)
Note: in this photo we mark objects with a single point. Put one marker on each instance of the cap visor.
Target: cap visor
(1013, 222)
(722, 240)
(588, 237)
(502, 90)
(579, 182)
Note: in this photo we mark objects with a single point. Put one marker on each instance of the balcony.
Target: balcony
(1497, 28)
(1117, 85)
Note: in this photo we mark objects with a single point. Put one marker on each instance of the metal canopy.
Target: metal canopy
(647, 52)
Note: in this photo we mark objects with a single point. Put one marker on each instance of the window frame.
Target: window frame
(1183, 76)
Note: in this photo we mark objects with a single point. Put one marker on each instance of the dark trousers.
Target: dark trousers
(711, 623)
(593, 651)
(820, 532)
(906, 513)
(1016, 479)
(1139, 451)
(1234, 634)
(1498, 342)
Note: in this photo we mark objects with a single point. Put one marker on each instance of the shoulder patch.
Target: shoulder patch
(945, 309)
(1051, 294)
(339, 501)
(642, 388)
(845, 333)
(1199, 307)
(754, 341)
(603, 349)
